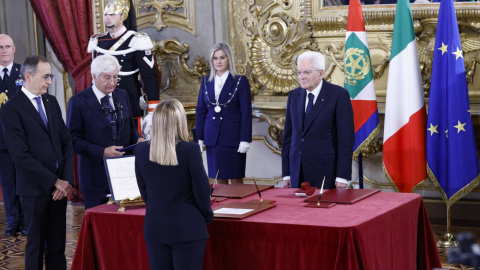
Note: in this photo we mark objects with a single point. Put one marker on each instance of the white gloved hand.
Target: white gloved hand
(142, 102)
(146, 122)
(243, 147)
(202, 146)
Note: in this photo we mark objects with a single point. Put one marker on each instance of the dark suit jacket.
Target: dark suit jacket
(177, 197)
(91, 133)
(41, 154)
(233, 124)
(324, 146)
(6, 92)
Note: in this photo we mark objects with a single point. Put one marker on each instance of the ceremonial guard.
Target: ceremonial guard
(133, 52)
(11, 81)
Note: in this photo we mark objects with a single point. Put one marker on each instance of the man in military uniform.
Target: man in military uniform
(133, 52)
(11, 80)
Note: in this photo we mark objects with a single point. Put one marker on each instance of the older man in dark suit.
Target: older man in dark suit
(100, 121)
(319, 133)
(10, 82)
(40, 146)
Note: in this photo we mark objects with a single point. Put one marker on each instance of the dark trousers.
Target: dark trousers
(45, 222)
(186, 255)
(13, 208)
(94, 198)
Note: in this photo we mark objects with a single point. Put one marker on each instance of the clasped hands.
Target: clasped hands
(62, 189)
(242, 148)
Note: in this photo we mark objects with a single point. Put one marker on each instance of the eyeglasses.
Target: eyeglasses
(48, 76)
(5, 47)
(306, 72)
(108, 79)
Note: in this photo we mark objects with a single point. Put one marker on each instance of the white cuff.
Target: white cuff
(286, 177)
(341, 180)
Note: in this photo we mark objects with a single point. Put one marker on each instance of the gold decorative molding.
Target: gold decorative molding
(276, 121)
(181, 81)
(98, 22)
(160, 14)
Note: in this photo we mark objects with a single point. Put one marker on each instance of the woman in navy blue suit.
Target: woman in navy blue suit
(224, 117)
(174, 185)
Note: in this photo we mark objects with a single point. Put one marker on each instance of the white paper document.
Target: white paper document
(122, 176)
(232, 211)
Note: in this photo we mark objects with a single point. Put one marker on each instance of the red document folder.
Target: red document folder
(344, 196)
(253, 207)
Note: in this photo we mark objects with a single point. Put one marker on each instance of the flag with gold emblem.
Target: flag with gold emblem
(451, 149)
(359, 79)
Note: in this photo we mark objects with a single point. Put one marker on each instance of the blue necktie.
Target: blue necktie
(40, 110)
(112, 117)
(107, 100)
(310, 104)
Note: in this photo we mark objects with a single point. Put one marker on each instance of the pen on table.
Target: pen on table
(321, 191)
(214, 183)
(258, 191)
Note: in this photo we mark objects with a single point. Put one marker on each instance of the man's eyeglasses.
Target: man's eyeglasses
(48, 76)
(306, 72)
(108, 79)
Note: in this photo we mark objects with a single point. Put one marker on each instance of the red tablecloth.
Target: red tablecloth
(386, 231)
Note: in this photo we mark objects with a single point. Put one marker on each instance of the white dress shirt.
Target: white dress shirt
(100, 95)
(9, 67)
(315, 93)
(219, 82)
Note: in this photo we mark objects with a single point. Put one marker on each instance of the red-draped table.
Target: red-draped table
(385, 231)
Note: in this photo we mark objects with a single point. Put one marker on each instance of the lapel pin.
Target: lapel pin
(322, 99)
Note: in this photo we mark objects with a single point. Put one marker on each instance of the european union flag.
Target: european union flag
(451, 150)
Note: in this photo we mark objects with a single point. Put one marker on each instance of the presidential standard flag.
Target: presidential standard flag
(404, 140)
(451, 150)
(359, 79)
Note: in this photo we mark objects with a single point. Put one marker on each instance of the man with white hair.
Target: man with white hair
(134, 52)
(10, 82)
(319, 133)
(100, 122)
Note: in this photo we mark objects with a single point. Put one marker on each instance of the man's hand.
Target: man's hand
(62, 189)
(140, 140)
(58, 195)
(287, 184)
(111, 151)
(340, 185)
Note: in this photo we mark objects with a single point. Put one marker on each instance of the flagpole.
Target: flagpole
(360, 171)
(448, 240)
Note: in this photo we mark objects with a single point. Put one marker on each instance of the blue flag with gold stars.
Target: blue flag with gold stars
(451, 150)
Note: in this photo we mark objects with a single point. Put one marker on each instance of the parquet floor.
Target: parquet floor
(12, 249)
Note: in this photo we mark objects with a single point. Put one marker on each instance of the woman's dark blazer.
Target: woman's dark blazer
(177, 197)
(233, 124)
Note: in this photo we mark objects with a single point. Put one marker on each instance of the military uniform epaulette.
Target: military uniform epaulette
(94, 41)
(141, 42)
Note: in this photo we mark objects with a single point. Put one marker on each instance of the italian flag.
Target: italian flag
(404, 140)
(359, 79)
